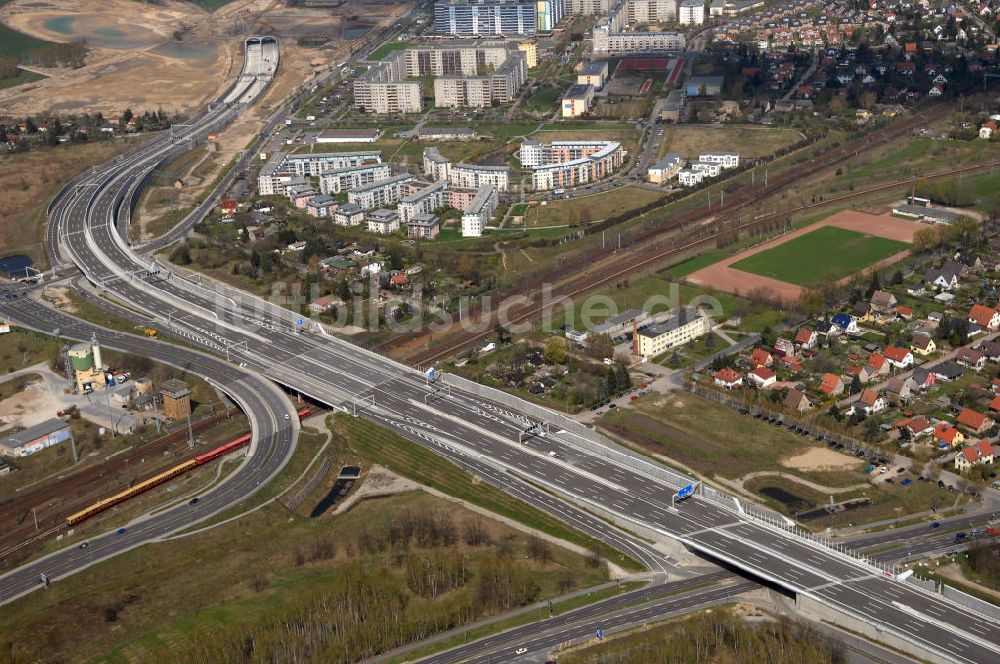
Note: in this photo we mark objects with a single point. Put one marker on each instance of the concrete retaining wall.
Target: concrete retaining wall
(821, 611)
(970, 602)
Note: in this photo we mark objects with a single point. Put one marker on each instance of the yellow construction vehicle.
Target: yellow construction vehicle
(151, 333)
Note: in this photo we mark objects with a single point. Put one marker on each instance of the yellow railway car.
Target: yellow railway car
(122, 496)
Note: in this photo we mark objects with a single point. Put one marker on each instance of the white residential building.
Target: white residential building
(562, 164)
(348, 214)
(709, 169)
(480, 211)
(725, 159)
(690, 177)
(436, 165)
(422, 201)
(352, 177)
(316, 163)
(382, 221)
(384, 89)
(473, 176)
(379, 194)
(666, 168)
(650, 11)
(691, 12)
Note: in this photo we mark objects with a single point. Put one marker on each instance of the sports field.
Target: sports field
(827, 253)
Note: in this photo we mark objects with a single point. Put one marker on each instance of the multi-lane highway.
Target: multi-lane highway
(481, 433)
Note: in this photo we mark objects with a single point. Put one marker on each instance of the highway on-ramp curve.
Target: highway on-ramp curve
(272, 418)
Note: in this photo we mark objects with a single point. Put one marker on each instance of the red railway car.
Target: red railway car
(223, 450)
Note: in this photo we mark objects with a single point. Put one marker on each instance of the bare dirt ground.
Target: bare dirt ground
(38, 402)
(820, 458)
(954, 572)
(725, 278)
(134, 61)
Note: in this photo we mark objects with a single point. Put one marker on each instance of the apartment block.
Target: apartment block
(612, 37)
(348, 214)
(379, 194)
(482, 208)
(474, 176)
(691, 12)
(650, 11)
(423, 200)
(496, 17)
(436, 165)
(383, 89)
(423, 227)
(352, 177)
(690, 177)
(382, 221)
(666, 168)
(682, 327)
(315, 164)
(724, 159)
(499, 87)
(608, 43)
(586, 7)
(530, 49)
(562, 164)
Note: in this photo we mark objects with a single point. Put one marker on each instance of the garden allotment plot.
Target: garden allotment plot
(825, 254)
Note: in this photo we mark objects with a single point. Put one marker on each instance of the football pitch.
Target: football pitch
(827, 253)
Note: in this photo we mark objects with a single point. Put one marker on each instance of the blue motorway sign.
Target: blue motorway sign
(686, 491)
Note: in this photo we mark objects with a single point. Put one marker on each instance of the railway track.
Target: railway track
(736, 201)
(643, 258)
(53, 502)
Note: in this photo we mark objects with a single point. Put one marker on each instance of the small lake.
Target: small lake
(793, 502)
(339, 490)
(95, 30)
(15, 266)
(184, 50)
(61, 24)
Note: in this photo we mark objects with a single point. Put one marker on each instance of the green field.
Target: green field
(387, 48)
(14, 43)
(20, 79)
(825, 253)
